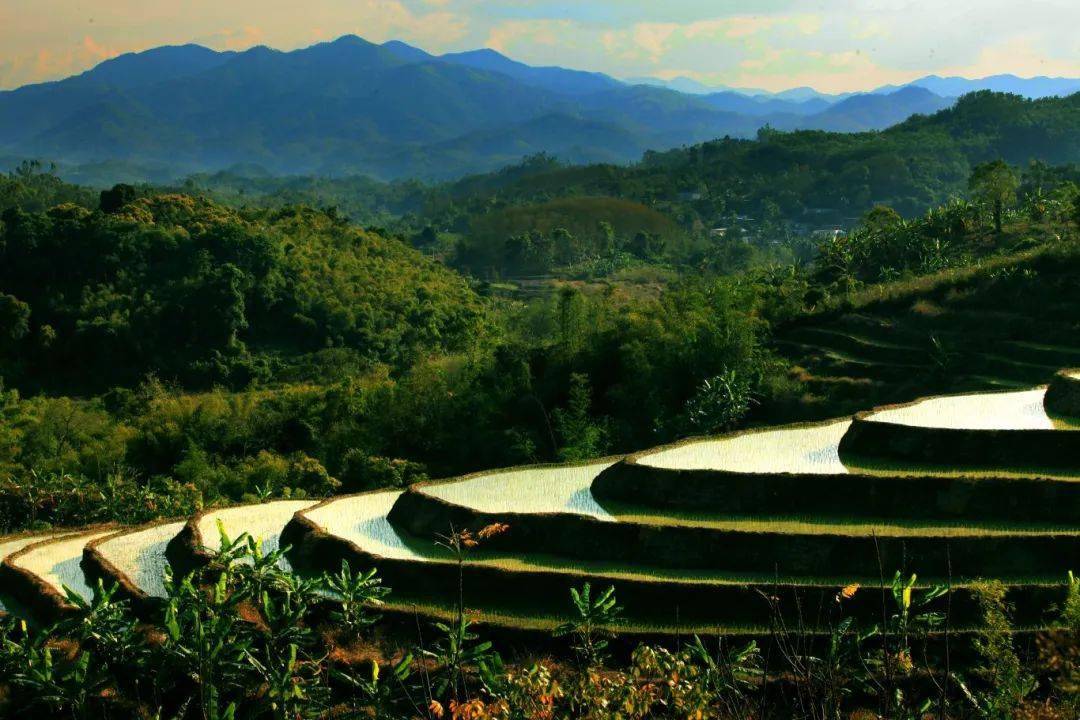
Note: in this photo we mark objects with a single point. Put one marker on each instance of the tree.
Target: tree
(117, 197)
(994, 184)
(582, 437)
(881, 217)
(14, 318)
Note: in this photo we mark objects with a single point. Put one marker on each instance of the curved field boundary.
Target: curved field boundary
(1046, 449)
(189, 551)
(1063, 394)
(576, 536)
(657, 602)
(10, 545)
(40, 597)
(97, 566)
(857, 494)
(861, 348)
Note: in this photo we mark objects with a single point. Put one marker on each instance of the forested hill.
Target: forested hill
(200, 294)
(911, 166)
(816, 179)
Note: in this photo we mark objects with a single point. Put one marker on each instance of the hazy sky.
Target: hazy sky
(833, 46)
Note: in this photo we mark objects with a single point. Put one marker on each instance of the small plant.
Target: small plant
(719, 403)
(456, 648)
(589, 631)
(1003, 683)
(356, 593)
(376, 692)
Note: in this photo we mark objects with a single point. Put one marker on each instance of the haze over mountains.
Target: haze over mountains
(393, 110)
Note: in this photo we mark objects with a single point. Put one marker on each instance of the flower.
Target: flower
(435, 708)
(471, 710)
(492, 530)
(847, 592)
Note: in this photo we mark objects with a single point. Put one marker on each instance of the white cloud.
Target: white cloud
(835, 45)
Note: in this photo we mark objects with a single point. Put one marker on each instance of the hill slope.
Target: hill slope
(201, 294)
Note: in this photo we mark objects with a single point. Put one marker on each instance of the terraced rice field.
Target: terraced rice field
(1021, 410)
(528, 490)
(8, 548)
(949, 345)
(807, 449)
(58, 561)
(140, 555)
(261, 522)
(747, 504)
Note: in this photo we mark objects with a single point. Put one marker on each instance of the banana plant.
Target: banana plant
(356, 593)
(589, 630)
(379, 692)
(456, 648)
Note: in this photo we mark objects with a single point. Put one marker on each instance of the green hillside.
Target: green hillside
(200, 294)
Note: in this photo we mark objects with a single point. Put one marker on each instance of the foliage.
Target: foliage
(719, 403)
(357, 593)
(994, 184)
(198, 293)
(1005, 683)
(590, 627)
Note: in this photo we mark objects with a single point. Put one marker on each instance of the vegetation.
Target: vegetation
(240, 638)
(169, 349)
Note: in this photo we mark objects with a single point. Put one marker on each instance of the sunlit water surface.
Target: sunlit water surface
(59, 562)
(1021, 410)
(140, 555)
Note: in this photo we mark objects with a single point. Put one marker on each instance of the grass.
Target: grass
(916, 287)
(861, 527)
(412, 605)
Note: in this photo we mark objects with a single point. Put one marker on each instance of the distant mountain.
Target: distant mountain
(394, 110)
(347, 106)
(763, 105)
(874, 112)
(133, 70)
(407, 52)
(1036, 87)
(556, 79)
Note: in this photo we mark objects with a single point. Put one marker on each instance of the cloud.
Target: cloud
(508, 35)
(47, 63)
(838, 45)
(240, 38)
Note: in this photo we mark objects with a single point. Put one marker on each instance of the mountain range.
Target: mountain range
(393, 110)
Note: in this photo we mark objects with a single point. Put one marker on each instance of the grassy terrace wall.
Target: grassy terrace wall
(1043, 449)
(945, 498)
(1063, 394)
(187, 552)
(788, 554)
(649, 602)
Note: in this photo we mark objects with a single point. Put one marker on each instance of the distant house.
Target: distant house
(688, 195)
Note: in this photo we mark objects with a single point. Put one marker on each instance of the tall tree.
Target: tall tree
(994, 184)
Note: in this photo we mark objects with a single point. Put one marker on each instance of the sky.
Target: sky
(834, 46)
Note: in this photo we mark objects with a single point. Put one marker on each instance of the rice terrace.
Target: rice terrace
(460, 360)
